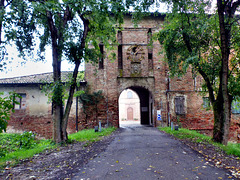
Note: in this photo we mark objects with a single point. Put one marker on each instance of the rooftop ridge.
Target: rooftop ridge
(32, 75)
(35, 78)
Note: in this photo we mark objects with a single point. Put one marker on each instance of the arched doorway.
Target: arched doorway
(129, 113)
(144, 107)
(129, 108)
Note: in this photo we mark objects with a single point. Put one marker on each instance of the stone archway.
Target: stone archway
(143, 86)
(146, 105)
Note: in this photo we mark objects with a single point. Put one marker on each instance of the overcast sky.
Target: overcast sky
(19, 67)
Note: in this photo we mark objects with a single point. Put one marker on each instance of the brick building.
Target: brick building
(141, 68)
(138, 67)
(34, 113)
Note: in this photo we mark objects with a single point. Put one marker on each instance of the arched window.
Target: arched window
(129, 95)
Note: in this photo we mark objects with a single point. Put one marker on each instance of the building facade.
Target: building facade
(34, 111)
(140, 67)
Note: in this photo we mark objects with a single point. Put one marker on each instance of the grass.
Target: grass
(231, 148)
(90, 134)
(13, 157)
(12, 149)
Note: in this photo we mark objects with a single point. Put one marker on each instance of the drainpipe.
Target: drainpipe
(168, 109)
(76, 111)
(107, 110)
(167, 93)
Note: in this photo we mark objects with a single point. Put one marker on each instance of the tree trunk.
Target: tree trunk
(70, 100)
(225, 29)
(218, 131)
(57, 98)
(57, 108)
(74, 78)
(57, 45)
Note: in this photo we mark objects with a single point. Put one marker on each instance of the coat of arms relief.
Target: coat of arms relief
(135, 54)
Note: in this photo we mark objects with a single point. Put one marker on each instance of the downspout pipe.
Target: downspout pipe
(76, 111)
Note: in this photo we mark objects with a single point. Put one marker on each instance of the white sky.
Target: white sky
(17, 68)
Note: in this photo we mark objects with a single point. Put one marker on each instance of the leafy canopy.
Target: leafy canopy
(191, 38)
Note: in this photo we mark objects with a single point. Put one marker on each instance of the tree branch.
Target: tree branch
(235, 6)
(208, 83)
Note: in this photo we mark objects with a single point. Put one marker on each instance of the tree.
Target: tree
(69, 27)
(192, 37)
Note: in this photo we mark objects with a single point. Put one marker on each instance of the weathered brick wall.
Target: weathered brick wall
(234, 133)
(113, 81)
(36, 116)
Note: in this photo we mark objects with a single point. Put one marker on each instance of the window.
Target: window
(101, 59)
(236, 107)
(129, 95)
(21, 101)
(120, 49)
(120, 64)
(150, 49)
(206, 102)
(179, 105)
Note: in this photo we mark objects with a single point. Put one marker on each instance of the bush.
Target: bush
(26, 140)
(14, 142)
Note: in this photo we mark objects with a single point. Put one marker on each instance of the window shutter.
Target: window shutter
(179, 105)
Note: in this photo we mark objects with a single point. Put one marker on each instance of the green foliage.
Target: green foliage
(186, 36)
(13, 142)
(90, 134)
(191, 37)
(6, 107)
(209, 45)
(90, 101)
(80, 77)
(194, 136)
(11, 151)
(186, 134)
(56, 89)
(232, 148)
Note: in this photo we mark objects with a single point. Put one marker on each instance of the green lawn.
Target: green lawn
(14, 147)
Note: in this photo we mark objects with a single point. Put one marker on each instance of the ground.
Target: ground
(216, 156)
(67, 160)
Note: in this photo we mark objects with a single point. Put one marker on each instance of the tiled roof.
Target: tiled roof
(36, 78)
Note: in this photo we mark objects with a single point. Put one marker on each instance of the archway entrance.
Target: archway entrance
(135, 107)
(129, 108)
